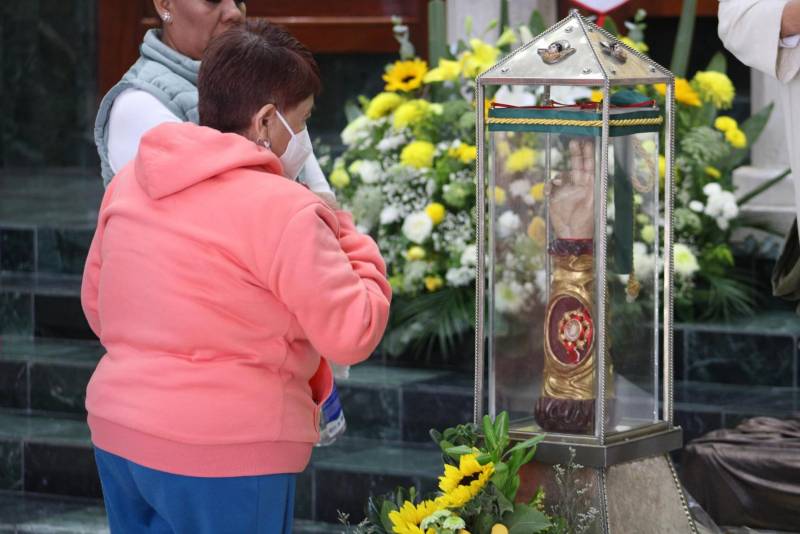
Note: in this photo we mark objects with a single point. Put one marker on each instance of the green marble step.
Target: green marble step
(53, 455)
(387, 403)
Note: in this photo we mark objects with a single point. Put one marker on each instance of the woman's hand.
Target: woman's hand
(790, 20)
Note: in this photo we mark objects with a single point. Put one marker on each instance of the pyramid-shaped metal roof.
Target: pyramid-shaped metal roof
(591, 63)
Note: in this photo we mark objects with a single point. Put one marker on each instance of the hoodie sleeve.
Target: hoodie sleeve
(90, 285)
(333, 279)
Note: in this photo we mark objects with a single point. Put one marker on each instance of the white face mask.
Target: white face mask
(297, 151)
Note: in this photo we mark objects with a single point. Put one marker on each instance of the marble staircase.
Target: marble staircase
(724, 373)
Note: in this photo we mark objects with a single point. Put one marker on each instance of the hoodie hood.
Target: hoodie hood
(177, 155)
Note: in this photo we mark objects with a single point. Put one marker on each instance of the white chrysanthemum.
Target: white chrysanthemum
(540, 279)
(370, 171)
(460, 276)
(520, 188)
(469, 257)
(417, 227)
(643, 262)
(389, 214)
(356, 131)
(392, 142)
(721, 205)
(696, 206)
(685, 260)
(508, 297)
(507, 224)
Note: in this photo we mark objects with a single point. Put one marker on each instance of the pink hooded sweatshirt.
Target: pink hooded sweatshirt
(214, 285)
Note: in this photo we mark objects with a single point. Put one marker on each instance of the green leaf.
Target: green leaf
(526, 520)
(387, 508)
(501, 429)
(750, 195)
(459, 451)
(610, 26)
(489, 432)
(718, 63)
(527, 444)
(536, 23)
(483, 523)
(752, 128)
(683, 40)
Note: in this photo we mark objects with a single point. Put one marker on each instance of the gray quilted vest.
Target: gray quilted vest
(164, 73)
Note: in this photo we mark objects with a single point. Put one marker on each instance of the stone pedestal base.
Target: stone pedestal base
(639, 497)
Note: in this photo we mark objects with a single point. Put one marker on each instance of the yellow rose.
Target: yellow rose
(436, 212)
(339, 178)
(537, 192)
(418, 154)
(725, 123)
(736, 138)
(415, 253)
(537, 231)
(521, 159)
(432, 283)
(383, 104)
(499, 195)
(410, 113)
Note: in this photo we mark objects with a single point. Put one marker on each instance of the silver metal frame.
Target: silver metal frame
(659, 438)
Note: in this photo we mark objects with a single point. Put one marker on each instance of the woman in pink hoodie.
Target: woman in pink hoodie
(215, 281)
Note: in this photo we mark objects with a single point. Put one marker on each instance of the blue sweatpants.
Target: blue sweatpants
(141, 500)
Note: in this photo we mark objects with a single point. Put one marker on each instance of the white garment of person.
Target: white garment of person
(751, 30)
(134, 112)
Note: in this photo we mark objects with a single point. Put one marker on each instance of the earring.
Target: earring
(264, 142)
(166, 17)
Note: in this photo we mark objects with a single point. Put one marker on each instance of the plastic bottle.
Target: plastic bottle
(332, 423)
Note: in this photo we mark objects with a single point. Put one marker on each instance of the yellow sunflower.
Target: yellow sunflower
(407, 519)
(461, 484)
(405, 75)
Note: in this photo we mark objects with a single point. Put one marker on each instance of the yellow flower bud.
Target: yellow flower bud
(736, 138)
(436, 212)
(537, 192)
(432, 283)
(725, 123)
(415, 253)
(713, 172)
(499, 195)
(339, 178)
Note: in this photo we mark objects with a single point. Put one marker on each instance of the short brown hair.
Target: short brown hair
(249, 66)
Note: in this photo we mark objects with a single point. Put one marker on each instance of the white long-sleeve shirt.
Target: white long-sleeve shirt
(751, 30)
(134, 112)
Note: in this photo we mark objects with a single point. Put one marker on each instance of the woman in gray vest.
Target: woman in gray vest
(162, 85)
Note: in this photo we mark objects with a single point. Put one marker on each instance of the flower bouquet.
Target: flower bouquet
(478, 491)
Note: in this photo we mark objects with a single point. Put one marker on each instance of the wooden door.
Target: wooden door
(344, 27)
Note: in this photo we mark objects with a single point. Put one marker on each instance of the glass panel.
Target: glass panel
(632, 280)
(542, 303)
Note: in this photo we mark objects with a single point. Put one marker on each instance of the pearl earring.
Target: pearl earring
(166, 17)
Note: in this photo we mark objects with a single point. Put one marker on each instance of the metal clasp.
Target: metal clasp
(557, 51)
(615, 50)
